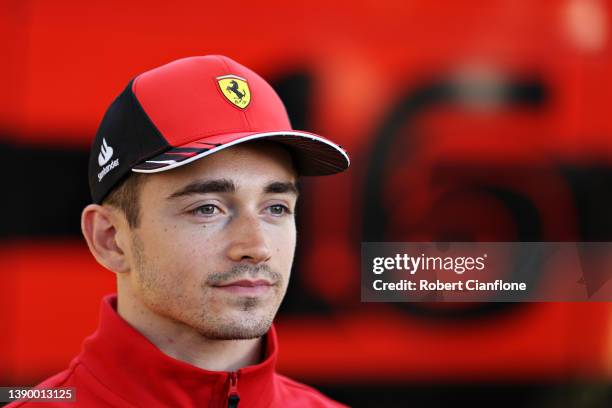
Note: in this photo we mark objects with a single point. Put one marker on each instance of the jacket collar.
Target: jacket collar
(130, 365)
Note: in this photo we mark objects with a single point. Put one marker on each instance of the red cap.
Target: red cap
(193, 107)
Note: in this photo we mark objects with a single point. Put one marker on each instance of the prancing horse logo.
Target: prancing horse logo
(235, 89)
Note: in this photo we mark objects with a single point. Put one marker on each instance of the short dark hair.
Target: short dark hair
(126, 197)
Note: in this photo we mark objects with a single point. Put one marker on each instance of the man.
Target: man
(193, 176)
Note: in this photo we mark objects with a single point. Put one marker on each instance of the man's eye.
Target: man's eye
(279, 209)
(206, 210)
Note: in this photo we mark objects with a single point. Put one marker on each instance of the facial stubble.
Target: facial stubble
(251, 316)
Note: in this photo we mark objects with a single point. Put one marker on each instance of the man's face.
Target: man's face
(216, 241)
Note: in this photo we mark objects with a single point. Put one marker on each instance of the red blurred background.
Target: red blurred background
(465, 120)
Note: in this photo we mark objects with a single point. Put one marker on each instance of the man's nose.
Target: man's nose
(248, 240)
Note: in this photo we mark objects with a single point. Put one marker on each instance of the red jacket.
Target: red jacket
(119, 367)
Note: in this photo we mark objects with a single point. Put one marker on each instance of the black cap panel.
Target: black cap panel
(126, 136)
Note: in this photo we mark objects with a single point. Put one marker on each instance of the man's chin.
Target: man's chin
(244, 326)
(235, 333)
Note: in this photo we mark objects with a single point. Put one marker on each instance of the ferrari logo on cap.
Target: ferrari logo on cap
(235, 89)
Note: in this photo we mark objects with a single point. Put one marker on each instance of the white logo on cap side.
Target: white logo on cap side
(106, 152)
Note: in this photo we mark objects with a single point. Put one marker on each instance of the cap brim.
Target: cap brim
(313, 154)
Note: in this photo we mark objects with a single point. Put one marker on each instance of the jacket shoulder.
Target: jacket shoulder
(293, 393)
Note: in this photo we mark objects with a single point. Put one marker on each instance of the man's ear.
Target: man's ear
(100, 228)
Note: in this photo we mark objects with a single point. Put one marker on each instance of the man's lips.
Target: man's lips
(246, 283)
(246, 287)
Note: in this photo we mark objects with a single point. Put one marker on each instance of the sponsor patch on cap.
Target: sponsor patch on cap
(106, 153)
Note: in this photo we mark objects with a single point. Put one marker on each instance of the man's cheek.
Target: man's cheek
(214, 305)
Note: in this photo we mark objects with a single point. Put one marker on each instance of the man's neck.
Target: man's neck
(183, 343)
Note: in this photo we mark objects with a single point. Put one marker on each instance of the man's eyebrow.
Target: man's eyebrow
(228, 186)
(204, 187)
(280, 187)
